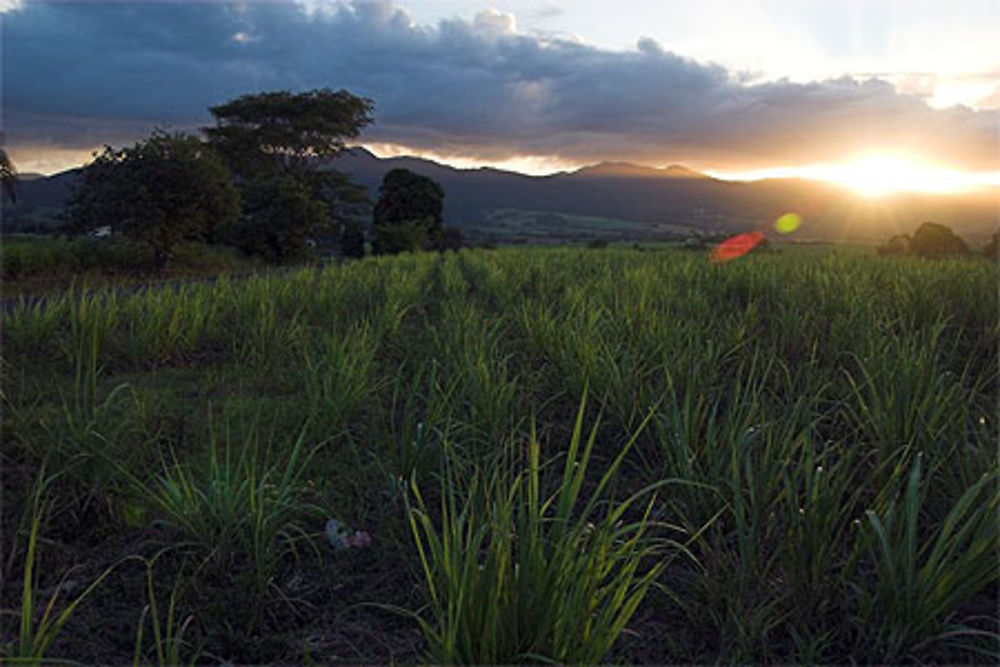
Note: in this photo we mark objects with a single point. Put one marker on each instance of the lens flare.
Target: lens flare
(737, 246)
(788, 223)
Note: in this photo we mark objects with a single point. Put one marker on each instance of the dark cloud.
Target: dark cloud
(79, 74)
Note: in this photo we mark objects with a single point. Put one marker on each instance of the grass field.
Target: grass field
(34, 265)
(559, 454)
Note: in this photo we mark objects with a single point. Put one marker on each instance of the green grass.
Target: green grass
(515, 574)
(830, 418)
(43, 264)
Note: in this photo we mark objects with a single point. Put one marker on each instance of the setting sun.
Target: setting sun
(880, 175)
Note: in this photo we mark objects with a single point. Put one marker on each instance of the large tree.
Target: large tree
(167, 189)
(284, 130)
(282, 139)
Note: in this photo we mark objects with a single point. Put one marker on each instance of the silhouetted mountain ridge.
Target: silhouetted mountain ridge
(620, 198)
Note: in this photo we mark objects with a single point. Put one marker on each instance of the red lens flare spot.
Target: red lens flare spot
(737, 246)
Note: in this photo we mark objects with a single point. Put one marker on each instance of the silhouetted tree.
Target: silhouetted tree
(284, 131)
(936, 240)
(408, 204)
(269, 138)
(279, 214)
(167, 189)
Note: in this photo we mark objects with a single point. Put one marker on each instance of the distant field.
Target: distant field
(535, 226)
(826, 423)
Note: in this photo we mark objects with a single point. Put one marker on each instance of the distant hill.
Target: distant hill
(619, 201)
(40, 201)
(678, 197)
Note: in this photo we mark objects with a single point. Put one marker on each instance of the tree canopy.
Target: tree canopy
(409, 211)
(275, 143)
(284, 130)
(280, 213)
(169, 188)
(406, 196)
(936, 240)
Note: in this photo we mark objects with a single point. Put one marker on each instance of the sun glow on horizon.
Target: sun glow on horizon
(879, 175)
(868, 175)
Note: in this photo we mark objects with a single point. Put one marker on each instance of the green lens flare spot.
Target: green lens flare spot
(788, 223)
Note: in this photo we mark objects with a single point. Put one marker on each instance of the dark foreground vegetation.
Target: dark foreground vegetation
(538, 454)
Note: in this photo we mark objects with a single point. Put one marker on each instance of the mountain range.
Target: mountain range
(617, 201)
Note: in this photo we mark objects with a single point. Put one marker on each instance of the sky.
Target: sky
(736, 88)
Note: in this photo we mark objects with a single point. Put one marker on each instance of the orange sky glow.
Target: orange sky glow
(868, 175)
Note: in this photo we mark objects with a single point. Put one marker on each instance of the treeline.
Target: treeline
(258, 180)
(932, 239)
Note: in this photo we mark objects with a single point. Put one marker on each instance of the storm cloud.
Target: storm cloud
(76, 75)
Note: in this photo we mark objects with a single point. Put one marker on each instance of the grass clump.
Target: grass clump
(922, 577)
(41, 624)
(514, 574)
(242, 508)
